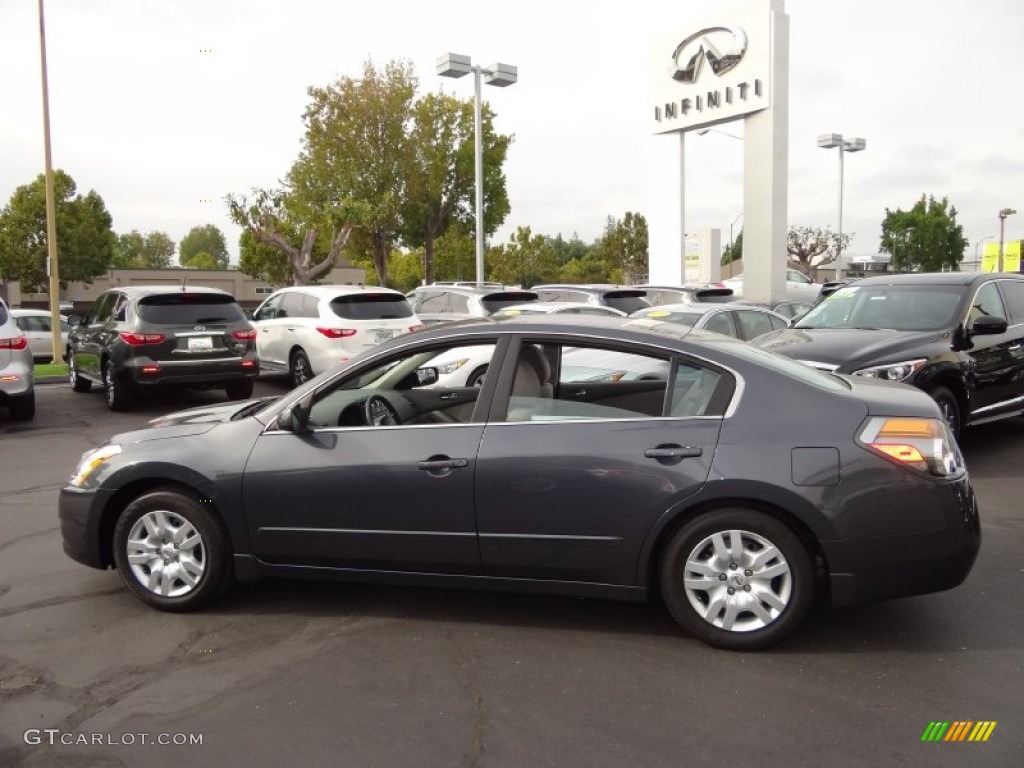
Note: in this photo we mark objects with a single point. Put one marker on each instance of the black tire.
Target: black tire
(950, 408)
(187, 514)
(239, 390)
(789, 595)
(23, 407)
(119, 398)
(299, 367)
(476, 378)
(78, 382)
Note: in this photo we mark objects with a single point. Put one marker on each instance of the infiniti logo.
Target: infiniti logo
(200, 328)
(722, 47)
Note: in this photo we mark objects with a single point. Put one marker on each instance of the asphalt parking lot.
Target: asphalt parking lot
(298, 673)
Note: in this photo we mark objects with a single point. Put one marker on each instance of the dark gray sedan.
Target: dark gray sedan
(739, 485)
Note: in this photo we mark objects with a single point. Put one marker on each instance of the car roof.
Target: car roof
(475, 289)
(934, 278)
(328, 291)
(700, 309)
(140, 291)
(587, 288)
(553, 306)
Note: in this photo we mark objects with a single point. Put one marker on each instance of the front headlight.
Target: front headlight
(452, 367)
(91, 461)
(892, 371)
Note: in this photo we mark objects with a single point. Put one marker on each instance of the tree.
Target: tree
(926, 238)
(624, 245)
(455, 255)
(203, 260)
(85, 240)
(152, 251)
(440, 179)
(809, 248)
(356, 148)
(282, 246)
(528, 259)
(207, 238)
(733, 251)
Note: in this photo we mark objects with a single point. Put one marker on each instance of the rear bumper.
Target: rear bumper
(145, 373)
(868, 570)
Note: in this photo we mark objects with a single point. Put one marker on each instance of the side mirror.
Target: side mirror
(988, 325)
(296, 417)
(427, 376)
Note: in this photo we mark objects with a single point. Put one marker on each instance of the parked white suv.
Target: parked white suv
(17, 382)
(309, 329)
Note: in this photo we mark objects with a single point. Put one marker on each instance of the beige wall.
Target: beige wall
(246, 290)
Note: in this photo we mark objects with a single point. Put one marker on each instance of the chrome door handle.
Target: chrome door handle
(677, 452)
(433, 465)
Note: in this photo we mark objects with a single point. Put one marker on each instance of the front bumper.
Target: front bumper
(81, 518)
(871, 569)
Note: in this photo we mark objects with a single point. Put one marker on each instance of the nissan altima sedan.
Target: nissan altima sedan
(699, 486)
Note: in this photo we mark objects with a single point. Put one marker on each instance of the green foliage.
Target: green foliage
(527, 260)
(926, 238)
(85, 241)
(207, 239)
(733, 251)
(455, 255)
(811, 247)
(152, 251)
(440, 175)
(623, 247)
(356, 148)
(405, 270)
(203, 260)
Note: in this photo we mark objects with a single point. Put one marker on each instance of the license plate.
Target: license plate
(200, 343)
(382, 334)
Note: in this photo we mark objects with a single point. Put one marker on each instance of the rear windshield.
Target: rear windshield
(668, 316)
(492, 302)
(3, 313)
(371, 306)
(189, 309)
(714, 295)
(626, 301)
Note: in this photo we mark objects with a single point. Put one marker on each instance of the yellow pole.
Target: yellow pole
(51, 212)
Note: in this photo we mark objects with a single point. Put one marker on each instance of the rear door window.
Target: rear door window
(371, 306)
(189, 309)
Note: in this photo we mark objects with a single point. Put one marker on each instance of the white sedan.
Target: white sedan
(38, 328)
(799, 287)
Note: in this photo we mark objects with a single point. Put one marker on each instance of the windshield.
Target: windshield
(891, 307)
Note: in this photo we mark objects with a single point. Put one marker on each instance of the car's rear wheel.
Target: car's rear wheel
(78, 382)
(171, 552)
(22, 407)
(119, 398)
(737, 579)
(239, 390)
(950, 408)
(300, 368)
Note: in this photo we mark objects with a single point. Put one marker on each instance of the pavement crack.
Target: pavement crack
(23, 537)
(16, 609)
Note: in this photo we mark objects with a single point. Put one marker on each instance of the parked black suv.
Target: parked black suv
(159, 336)
(958, 336)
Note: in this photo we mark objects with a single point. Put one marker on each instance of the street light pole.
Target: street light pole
(1002, 225)
(730, 234)
(828, 141)
(57, 350)
(976, 262)
(501, 75)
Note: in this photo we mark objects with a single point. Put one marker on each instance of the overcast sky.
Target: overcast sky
(140, 113)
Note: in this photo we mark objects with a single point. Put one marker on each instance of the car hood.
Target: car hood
(848, 349)
(193, 421)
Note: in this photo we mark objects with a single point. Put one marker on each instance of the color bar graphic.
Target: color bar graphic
(958, 730)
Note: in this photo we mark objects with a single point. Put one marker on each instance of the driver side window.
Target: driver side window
(439, 385)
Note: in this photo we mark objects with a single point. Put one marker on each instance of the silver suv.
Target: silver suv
(448, 302)
(17, 382)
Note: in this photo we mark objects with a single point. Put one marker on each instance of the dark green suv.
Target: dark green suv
(141, 337)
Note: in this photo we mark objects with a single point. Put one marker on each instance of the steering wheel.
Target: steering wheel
(378, 412)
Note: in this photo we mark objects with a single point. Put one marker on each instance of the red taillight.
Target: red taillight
(249, 335)
(923, 444)
(248, 363)
(140, 339)
(18, 342)
(414, 328)
(151, 370)
(337, 333)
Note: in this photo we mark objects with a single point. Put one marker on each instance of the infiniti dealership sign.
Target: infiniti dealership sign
(715, 73)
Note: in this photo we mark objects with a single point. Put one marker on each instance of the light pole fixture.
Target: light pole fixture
(979, 242)
(740, 216)
(501, 75)
(706, 131)
(828, 141)
(1002, 226)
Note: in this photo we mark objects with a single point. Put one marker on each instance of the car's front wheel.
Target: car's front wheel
(737, 579)
(78, 382)
(171, 552)
(950, 408)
